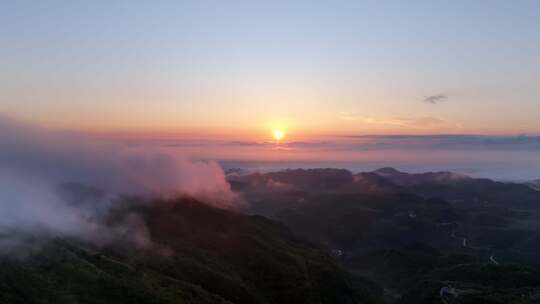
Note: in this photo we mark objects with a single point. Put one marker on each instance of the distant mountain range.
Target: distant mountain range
(534, 184)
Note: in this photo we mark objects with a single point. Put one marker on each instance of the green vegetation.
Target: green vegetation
(199, 255)
(415, 235)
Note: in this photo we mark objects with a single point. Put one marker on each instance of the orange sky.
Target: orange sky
(191, 68)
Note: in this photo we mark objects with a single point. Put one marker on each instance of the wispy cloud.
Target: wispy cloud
(414, 122)
(435, 99)
(348, 116)
(370, 142)
(425, 122)
(450, 141)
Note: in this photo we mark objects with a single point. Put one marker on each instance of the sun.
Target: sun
(278, 134)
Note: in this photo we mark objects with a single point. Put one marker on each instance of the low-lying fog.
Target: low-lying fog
(515, 158)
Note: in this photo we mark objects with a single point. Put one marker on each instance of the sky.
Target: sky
(418, 85)
(239, 69)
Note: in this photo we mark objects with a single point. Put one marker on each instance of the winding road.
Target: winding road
(465, 244)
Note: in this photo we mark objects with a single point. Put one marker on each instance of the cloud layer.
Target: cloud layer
(498, 157)
(37, 166)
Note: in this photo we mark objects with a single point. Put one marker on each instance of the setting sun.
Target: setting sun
(278, 134)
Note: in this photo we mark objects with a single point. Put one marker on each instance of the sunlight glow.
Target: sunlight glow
(278, 134)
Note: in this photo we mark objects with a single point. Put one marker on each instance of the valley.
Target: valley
(403, 231)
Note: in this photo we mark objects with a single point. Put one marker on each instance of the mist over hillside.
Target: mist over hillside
(198, 254)
(67, 184)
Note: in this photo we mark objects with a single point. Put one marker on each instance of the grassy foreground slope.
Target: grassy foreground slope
(199, 255)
